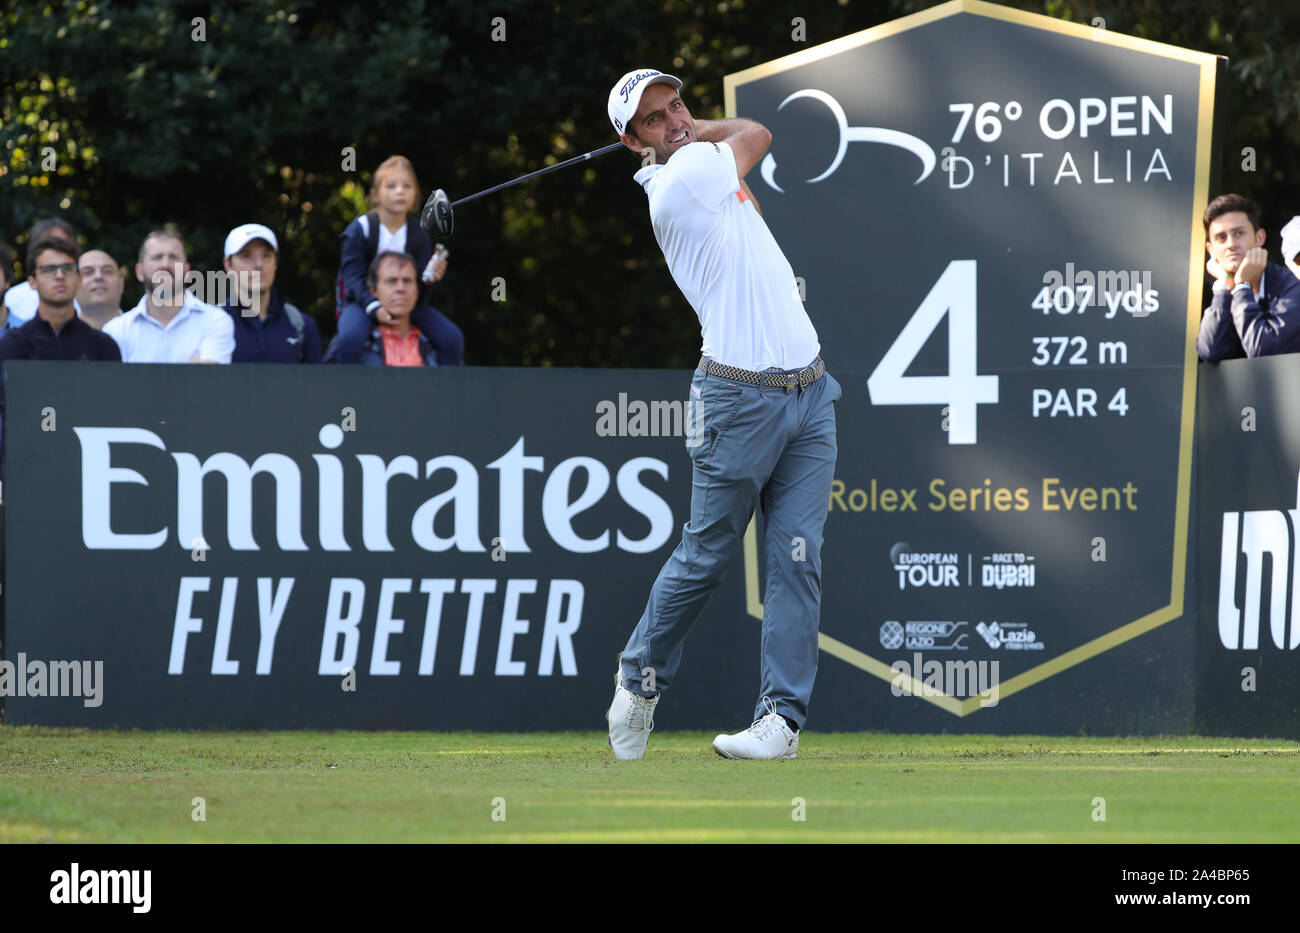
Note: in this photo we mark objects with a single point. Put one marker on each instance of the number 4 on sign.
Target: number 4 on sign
(962, 389)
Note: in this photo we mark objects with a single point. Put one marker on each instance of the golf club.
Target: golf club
(437, 218)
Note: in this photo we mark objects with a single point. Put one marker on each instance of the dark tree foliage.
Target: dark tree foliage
(126, 116)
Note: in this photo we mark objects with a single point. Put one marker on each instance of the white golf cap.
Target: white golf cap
(241, 236)
(625, 95)
(1291, 238)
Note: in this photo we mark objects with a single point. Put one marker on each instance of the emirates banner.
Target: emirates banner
(332, 547)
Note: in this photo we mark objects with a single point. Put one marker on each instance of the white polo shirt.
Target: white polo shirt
(726, 262)
(197, 327)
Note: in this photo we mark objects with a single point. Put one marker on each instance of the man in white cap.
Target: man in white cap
(1291, 245)
(170, 325)
(764, 432)
(267, 328)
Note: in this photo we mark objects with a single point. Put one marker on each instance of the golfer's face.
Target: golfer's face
(662, 121)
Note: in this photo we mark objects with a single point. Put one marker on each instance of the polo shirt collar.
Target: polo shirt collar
(645, 173)
(189, 306)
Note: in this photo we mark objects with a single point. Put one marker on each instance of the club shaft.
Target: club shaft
(550, 168)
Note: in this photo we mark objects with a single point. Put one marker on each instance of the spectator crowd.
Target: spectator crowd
(69, 305)
(385, 262)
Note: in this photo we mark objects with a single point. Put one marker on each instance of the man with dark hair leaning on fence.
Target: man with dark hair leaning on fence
(1255, 310)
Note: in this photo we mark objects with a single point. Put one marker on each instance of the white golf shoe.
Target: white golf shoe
(767, 738)
(631, 719)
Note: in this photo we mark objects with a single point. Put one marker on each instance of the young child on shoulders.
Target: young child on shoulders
(392, 224)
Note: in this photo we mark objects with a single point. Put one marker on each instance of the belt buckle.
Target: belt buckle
(791, 381)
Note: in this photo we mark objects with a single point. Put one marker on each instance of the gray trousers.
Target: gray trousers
(752, 444)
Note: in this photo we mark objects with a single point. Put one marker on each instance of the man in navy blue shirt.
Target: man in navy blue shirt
(267, 328)
(1255, 308)
(54, 332)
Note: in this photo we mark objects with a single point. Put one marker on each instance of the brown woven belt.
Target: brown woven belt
(776, 380)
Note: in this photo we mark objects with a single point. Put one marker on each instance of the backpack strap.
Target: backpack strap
(371, 228)
(428, 352)
(372, 234)
(295, 318)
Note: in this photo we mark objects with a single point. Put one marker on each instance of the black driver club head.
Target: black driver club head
(436, 218)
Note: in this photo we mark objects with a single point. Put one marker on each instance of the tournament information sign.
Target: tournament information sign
(994, 220)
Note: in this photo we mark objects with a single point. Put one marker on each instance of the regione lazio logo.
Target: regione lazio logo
(852, 134)
(1251, 535)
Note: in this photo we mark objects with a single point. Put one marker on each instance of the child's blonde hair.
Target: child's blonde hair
(397, 163)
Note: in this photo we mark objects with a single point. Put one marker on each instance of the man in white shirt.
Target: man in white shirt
(764, 428)
(170, 325)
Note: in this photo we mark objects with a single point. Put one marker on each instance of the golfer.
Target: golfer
(765, 410)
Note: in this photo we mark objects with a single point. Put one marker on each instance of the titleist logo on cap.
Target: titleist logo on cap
(633, 81)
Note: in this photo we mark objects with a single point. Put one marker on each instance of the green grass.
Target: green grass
(73, 785)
